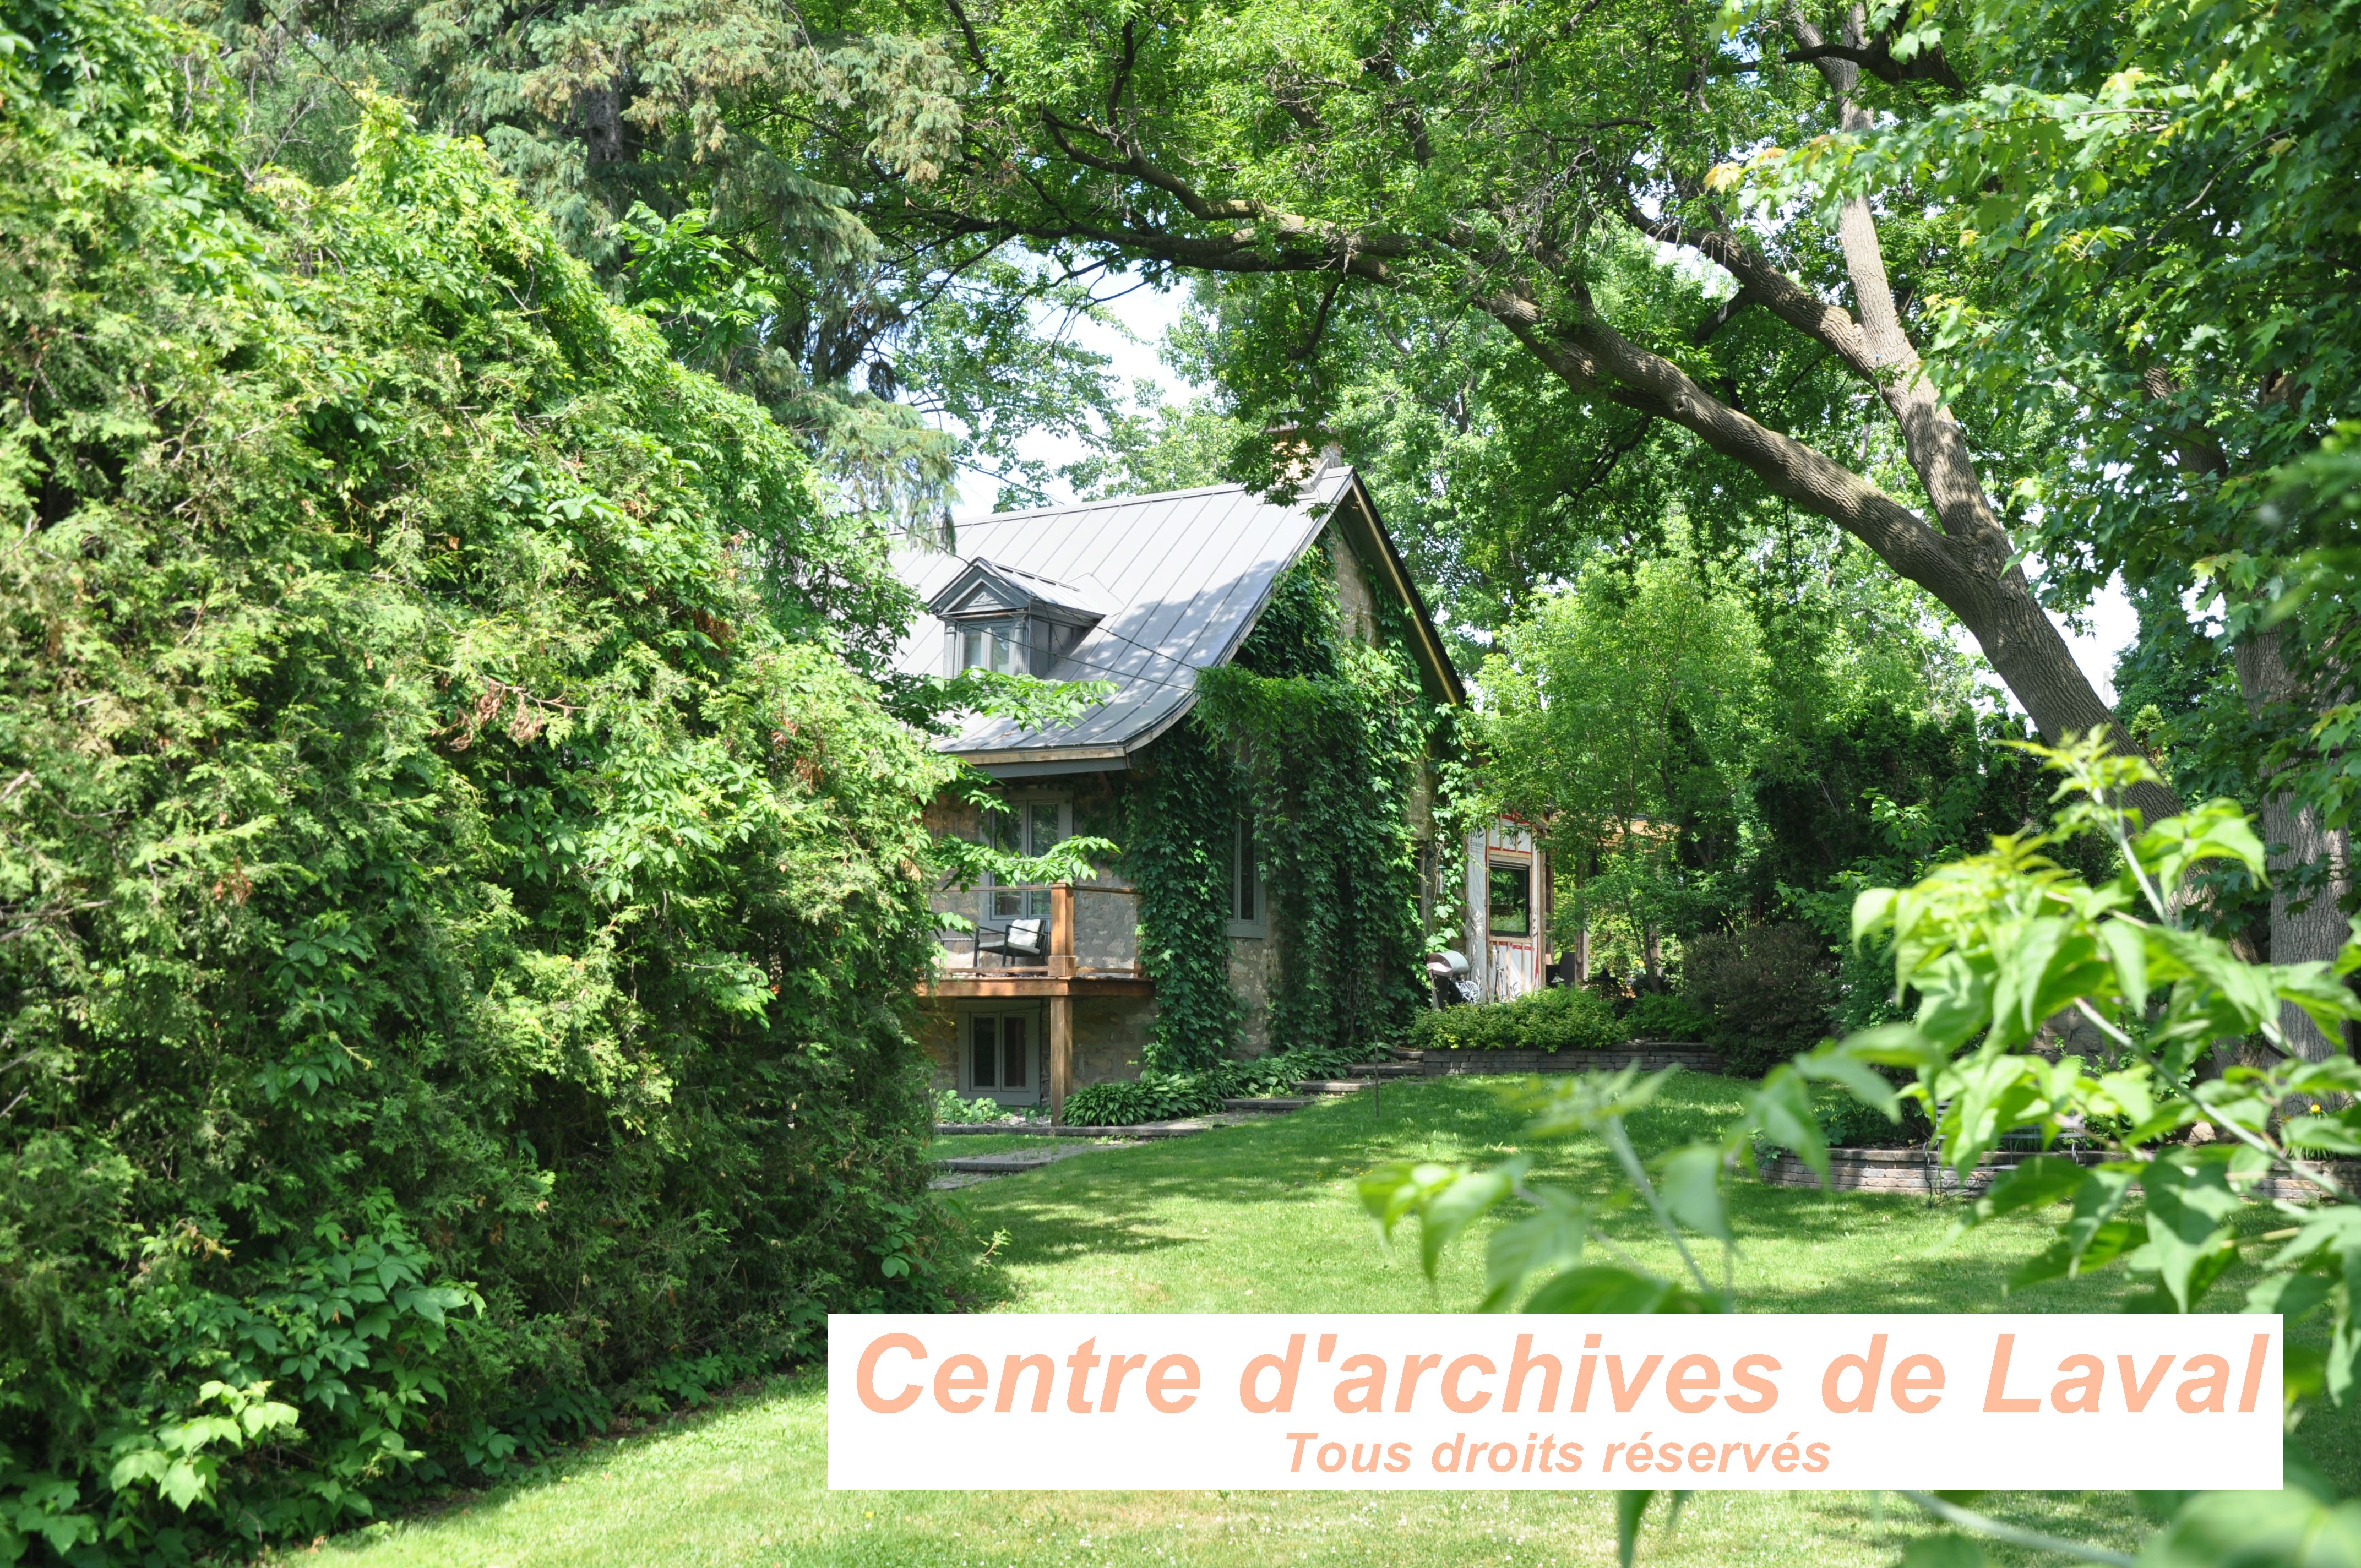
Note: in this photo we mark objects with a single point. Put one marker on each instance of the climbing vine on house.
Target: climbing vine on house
(1177, 851)
(1318, 738)
(1325, 735)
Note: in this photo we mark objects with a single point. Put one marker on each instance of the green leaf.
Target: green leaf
(1691, 1185)
(182, 1483)
(2106, 1242)
(1835, 1064)
(2126, 942)
(2044, 1178)
(1549, 1239)
(1945, 1551)
(1629, 1509)
(1782, 1107)
(1602, 1287)
(1451, 1209)
(2189, 1206)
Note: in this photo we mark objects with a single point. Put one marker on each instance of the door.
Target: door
(1001, 1058)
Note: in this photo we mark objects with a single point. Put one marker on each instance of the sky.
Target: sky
(1145, 315)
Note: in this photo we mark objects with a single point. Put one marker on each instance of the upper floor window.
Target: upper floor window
(1025, 827)
(993, 645)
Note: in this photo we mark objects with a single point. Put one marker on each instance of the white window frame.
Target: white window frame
(1012, 632)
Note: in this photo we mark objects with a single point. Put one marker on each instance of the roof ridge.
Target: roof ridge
(979, 518)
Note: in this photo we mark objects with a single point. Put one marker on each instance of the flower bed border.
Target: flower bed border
(1650, 1055)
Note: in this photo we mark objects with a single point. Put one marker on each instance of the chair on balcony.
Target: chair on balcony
(1025, 940)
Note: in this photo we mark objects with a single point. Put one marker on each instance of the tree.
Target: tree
(459, 914)
(674, 149)
(1609, 711)
(1500, 164)
(2157, 198)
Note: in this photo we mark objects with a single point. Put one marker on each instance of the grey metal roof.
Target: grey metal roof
(1180, 575)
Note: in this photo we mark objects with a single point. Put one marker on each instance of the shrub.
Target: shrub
(1847, 1123)
(1766, 990)
(458, 910)
(950, 1107)
(1657, 1016)
(1152, 1097)
(1167, 1096)
(1561, 1018)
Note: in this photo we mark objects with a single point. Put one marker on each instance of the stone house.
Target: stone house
(1146, 592)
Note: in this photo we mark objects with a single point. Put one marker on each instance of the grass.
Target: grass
(1261, 1218)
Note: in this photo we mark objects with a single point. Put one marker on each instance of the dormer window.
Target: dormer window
(1016, 623)
(998, 645)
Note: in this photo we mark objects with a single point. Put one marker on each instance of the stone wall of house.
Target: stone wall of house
(1357, 606)
(1111, 1036)
(1254, 975)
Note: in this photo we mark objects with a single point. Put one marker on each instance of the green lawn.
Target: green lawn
(1261, 1217)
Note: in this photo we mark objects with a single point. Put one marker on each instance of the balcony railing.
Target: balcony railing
(1094, 933)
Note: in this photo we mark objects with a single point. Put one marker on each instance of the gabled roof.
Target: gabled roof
(992, 587)
(1176, 580)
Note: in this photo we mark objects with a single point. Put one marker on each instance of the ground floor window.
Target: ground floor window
(1001, 1057)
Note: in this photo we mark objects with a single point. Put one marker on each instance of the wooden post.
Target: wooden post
(1061, 1002)
(1061, 1054)
(1061, 931)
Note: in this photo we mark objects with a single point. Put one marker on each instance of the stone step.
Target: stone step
(1273, 1105)
(1007, 1163)
(1385, 1069)
(1332, 1085)
(1407, 1053)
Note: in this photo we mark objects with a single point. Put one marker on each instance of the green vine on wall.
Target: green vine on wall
(1327, 736)
(1177, 852)
(1320, 738)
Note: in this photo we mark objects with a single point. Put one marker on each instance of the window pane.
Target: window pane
(1007, 830)
(1042, 817)
(973, 646)
(1014, 1053)
(985, 1058)
(1004, 652)
(1242, 874)
(1510, 903)
(1011, 905)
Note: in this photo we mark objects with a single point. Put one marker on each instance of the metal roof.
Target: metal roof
(1181, 578)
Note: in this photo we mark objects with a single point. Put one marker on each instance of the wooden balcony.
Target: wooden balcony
(1057, 978)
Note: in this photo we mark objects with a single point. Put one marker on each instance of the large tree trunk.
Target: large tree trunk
(2306, 925)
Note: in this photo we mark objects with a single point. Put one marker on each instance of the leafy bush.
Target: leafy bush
(1560, 1018)
(457, 907)
(1767, 990)
(1167, 1096)
(1657, 1016)
(950, 1107)
(1152, 1097)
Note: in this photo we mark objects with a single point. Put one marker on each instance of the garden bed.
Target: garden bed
(1648, 1055)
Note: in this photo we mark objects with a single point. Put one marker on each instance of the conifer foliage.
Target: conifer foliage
(456, 902)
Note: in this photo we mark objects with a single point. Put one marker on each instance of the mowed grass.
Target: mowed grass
(1262, 1218)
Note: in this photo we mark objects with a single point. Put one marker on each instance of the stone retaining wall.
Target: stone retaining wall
(1908, 1170)
(1650, 1055)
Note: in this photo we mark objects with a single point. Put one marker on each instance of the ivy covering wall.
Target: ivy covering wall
(1319, 738)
